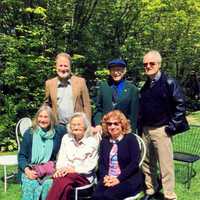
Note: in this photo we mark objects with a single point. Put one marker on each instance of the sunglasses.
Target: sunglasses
(149, 63)
(112, 123)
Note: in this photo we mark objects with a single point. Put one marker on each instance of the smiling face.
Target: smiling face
(114, 127)
(43, 119)
(152, 64)
(63, 67)
(77, 128)
(117, 73)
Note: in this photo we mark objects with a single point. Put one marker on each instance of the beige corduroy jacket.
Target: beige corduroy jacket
(80, 95)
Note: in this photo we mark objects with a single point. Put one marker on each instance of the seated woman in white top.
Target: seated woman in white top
(77, 158)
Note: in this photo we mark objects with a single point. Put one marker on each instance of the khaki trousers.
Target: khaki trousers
(159, 150)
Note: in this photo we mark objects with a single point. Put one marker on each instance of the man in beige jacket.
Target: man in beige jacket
(67, 93)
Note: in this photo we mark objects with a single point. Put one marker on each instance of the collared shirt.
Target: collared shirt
(117, 140)
(154, 101)
(155, 79)
(116, 91)
(114, 168)
(157, 76)
(65, 101)
(82, 155)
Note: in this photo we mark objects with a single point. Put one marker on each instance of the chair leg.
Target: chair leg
(190, 166)
(5, 178)
(193, 172)
(76, 194)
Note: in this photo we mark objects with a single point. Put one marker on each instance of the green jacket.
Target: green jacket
(127, 102)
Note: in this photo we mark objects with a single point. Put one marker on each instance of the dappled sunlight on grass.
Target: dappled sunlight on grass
(14, 191)
(182, 192)
(194, 118)
(13, 188)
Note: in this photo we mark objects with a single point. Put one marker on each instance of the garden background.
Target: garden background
(32, 32)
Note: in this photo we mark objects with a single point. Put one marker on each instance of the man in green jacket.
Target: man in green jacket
(116, 93)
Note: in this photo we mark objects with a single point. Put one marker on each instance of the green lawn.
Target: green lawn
(13, 192)
(13, 189)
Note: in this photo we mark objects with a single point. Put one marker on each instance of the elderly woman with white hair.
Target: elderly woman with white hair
(77, 158)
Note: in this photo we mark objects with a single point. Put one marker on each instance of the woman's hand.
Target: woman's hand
(60, 173)
(110, 181)
(63, 171)
(30, 173)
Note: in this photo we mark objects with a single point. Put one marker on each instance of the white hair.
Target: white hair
(65, 55)
(154, 53)
(87, 124)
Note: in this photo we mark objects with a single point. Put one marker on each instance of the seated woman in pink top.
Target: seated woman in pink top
(77, 158)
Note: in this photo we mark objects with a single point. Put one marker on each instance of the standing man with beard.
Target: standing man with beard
(116, 93)
(67, 93)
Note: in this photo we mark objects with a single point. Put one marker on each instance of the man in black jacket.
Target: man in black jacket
(162, 114)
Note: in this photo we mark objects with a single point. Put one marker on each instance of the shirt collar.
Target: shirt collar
(65, 84)
(111, 82)
(118, 83)
(117, 140)
(82, 141)
(157, 76)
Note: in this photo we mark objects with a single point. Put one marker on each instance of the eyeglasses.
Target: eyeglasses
(149, 63)
(112, 123)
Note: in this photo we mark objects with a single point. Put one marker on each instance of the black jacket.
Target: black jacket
(174, 102)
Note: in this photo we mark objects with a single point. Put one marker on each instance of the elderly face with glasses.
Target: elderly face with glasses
(152, 64)
(115, 124)
(119, 174)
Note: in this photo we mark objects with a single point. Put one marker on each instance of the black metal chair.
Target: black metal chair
(187, 150)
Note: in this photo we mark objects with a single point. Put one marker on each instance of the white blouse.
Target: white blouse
(82, 155)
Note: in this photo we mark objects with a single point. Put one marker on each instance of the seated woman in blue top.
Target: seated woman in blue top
(119, 157)
(40, 144)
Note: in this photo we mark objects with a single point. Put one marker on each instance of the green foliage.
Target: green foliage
(102, 74)
(8, 144)
(93, 32)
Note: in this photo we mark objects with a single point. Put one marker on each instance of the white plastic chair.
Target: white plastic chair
(142, 157)
(22, 125)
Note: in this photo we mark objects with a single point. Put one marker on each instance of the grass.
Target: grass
(194, 118)
(14, 191)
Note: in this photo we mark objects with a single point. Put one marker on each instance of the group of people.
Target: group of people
(71, 150)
